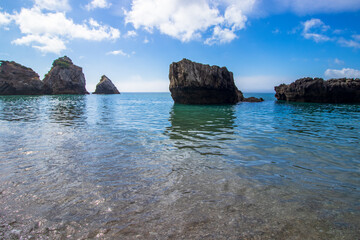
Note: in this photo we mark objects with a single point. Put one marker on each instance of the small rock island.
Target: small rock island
(195, 83)
(15, 79)
(65, 78)
(344, 90)
(106, 86)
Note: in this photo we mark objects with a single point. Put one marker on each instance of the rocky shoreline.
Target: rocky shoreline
(190, 83)
(317, 90)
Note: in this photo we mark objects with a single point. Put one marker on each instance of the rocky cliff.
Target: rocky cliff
(65, 78)
(16, 79)
(342, 90)
(106, 86)
(195, 83)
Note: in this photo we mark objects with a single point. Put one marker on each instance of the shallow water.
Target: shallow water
(136, 166)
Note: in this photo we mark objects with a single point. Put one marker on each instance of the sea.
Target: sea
(138, 166)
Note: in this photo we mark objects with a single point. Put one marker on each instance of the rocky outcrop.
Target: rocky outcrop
(106, 86)
(195, 83)
(253, 99)
(16, 79)
(65, 78)
(342, 90)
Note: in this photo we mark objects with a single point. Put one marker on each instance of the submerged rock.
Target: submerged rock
(344, 90)
(16, 79)
(65, 78)
(195, 83)
(106, 86)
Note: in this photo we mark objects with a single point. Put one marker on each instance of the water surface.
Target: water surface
(137, 166)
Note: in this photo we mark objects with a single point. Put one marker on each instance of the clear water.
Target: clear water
(136, 166)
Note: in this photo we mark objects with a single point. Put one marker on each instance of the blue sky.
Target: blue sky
(263, 42)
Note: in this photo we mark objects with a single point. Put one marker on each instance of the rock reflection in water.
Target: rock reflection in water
(68, 110)
(204, 129)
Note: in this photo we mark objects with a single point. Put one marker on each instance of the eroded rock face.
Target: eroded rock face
(16, 79)
(195, 83)
(106, 86)
(342, 90)
(65, 78)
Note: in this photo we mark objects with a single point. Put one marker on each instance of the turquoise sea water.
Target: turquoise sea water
(137, 166)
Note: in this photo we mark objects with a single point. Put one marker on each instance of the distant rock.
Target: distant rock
(342, 90)
(65, 78)
(106, 86)
(16, 79)
(195, 83)
(253, 99)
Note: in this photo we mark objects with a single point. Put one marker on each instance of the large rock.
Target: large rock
(342, 90)
(16, 79)
(65, 78)
(106, 86)
(195, 83)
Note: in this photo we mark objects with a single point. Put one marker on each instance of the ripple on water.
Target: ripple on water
(138, 166)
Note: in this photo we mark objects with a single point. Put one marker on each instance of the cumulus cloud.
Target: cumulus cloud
(343, 73)
(118, 52)
(53, 5)
(97, 4)
(49, 32)
(188, 20)
(314, 29)
(5, 18)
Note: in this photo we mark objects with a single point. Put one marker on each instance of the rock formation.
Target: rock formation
(16, 79)
(195, 83)
(342, 90)
(65, 78)
(253, 99)
(106, 86)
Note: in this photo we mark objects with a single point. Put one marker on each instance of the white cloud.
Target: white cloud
(187, 20)
(49, 32)
(5, 18)
(146, 41)
(43, 43)
(338, 61)
(356, 37)
(118, 52)
(343, 73)
(53, 5)
(349, 43)
(97, 4)
(314, 29)
(221, 36)
(130, 34)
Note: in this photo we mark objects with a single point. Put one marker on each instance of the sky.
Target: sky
(133, 42)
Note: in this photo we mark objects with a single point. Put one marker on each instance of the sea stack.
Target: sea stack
(65, 78)
(106, 86)
(16, 79)
(344, 90)
(195, 83)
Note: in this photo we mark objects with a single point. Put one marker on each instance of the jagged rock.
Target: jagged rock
(195, 83)
(106, 86)
(253, 99)
(65, 78)
(16, 79)
(342, 90)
